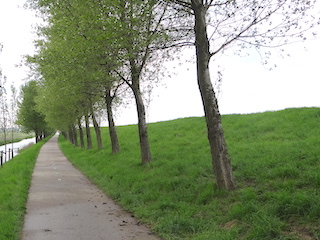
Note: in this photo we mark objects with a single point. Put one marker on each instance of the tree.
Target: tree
(3, 109)
(64, 85)
(28, 115)
(13, 109)
(78, 35)
(81, 133)
(141, 35)
(121, 36)
(88, 133)
(221, 24)
(109, 96)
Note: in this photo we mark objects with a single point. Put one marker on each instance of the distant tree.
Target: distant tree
(4, 111)
(28, 115)
(221, 24)
(81, 133)
(88, 133)
(119, 37)
(13, 110)
(79, 36)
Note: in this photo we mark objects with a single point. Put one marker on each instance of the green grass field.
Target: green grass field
(15, 178)
(276, 162)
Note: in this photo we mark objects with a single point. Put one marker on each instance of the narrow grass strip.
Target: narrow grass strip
(15, 179)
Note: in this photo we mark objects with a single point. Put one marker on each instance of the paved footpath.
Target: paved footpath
(64, 205)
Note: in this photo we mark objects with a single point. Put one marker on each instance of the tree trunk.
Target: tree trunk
(112, 127)
(220, 157)
(37, 137)
(70, 135)
(74, 135)
(88, 133)
(96, 128)
(80, 133)
(142, 123)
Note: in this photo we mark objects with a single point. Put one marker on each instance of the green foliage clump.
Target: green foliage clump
(28, 115)
(275, 159)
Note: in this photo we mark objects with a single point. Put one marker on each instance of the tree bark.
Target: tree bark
(37, 136)
(96, 128)
(112, 127)
(142, 123)
(81, 133)
(70, 136)
(75, 137)
(220, 158)
(88, 133)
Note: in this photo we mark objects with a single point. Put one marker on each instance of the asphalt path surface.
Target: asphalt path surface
(64, 205)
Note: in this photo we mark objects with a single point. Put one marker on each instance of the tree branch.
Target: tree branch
(123, 78)
(254, 22)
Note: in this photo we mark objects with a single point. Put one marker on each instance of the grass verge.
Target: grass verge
(276, 162)
(15, 178)
(16, 137)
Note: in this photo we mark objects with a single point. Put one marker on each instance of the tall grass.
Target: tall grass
(276, 162)
(15, 178)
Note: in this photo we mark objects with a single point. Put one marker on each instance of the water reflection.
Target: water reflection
(15, 146)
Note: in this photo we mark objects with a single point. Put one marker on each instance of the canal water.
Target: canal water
(16, 146)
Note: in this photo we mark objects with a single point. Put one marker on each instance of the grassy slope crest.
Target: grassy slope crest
(276, 162)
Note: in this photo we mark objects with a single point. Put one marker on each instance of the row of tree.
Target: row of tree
(92, 53)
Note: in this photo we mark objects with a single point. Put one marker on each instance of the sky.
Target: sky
(247, 85)
(16, 35)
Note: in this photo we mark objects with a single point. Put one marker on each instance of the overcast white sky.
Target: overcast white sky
(247, 85)
(16, 36)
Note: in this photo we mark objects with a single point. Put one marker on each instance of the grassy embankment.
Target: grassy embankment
(276, 162)
(17, 136)
(15, 178)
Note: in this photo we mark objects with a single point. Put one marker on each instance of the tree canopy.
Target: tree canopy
(89, 50)
(28, 115)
